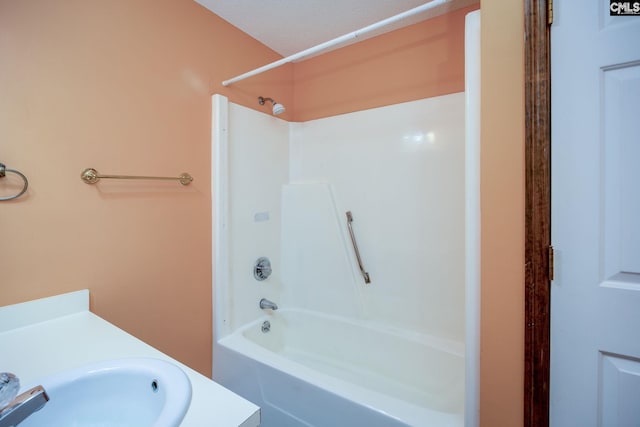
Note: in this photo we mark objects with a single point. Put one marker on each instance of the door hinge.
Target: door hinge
(549, 12)
(550, 260)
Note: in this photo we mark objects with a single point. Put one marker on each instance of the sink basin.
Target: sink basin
(136, 392)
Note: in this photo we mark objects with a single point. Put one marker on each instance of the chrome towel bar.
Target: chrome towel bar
(3, 171)
(91, 176)
(365, 275)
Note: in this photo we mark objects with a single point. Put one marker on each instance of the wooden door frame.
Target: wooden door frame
(537, 212)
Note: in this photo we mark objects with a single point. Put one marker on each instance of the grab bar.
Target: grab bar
(3, 170)
(365, 275)
(91, 176)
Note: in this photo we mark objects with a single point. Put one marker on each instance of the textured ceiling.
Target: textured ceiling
(290, 26)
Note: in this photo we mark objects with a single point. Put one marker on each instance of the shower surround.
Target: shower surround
(328, 348)
(400, 171)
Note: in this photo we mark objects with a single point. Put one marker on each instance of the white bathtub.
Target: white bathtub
(313, 369)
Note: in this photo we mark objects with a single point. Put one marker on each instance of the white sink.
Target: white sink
(136, 392)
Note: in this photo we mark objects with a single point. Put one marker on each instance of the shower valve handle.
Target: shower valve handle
(262, 269)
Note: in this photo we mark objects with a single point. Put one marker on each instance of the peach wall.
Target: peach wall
(124, 87)
(416, 62)
(502, 193)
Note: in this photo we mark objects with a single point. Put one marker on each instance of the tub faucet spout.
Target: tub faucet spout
(266, 304)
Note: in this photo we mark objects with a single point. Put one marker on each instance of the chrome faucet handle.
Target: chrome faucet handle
(262, 269)
(9, 386)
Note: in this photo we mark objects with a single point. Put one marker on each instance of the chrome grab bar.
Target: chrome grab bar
(365, 275)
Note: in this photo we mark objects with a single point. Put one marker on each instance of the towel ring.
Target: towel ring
(3, 171)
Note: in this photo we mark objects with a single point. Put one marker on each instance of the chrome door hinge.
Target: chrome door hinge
(550, 260)
(549, 12)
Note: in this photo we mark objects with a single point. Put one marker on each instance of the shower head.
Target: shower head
(277, 108)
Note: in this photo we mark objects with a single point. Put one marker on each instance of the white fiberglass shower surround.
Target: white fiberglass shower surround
(401, 350)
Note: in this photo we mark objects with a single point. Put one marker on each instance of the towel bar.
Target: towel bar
(91, 176)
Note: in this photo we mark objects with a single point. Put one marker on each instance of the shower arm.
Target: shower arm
(365, 275)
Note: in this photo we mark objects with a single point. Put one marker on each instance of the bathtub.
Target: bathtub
(310, 370)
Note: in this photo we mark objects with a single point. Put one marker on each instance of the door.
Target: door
(595, 297)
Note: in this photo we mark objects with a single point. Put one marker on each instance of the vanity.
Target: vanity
(44, 337)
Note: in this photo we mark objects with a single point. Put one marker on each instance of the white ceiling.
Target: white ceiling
(290, 26)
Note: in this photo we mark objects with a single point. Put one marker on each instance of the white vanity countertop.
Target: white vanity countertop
(45, 336)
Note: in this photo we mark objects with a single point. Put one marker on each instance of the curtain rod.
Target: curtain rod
(331, 43)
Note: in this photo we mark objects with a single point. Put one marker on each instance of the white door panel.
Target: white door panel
(595, 297)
